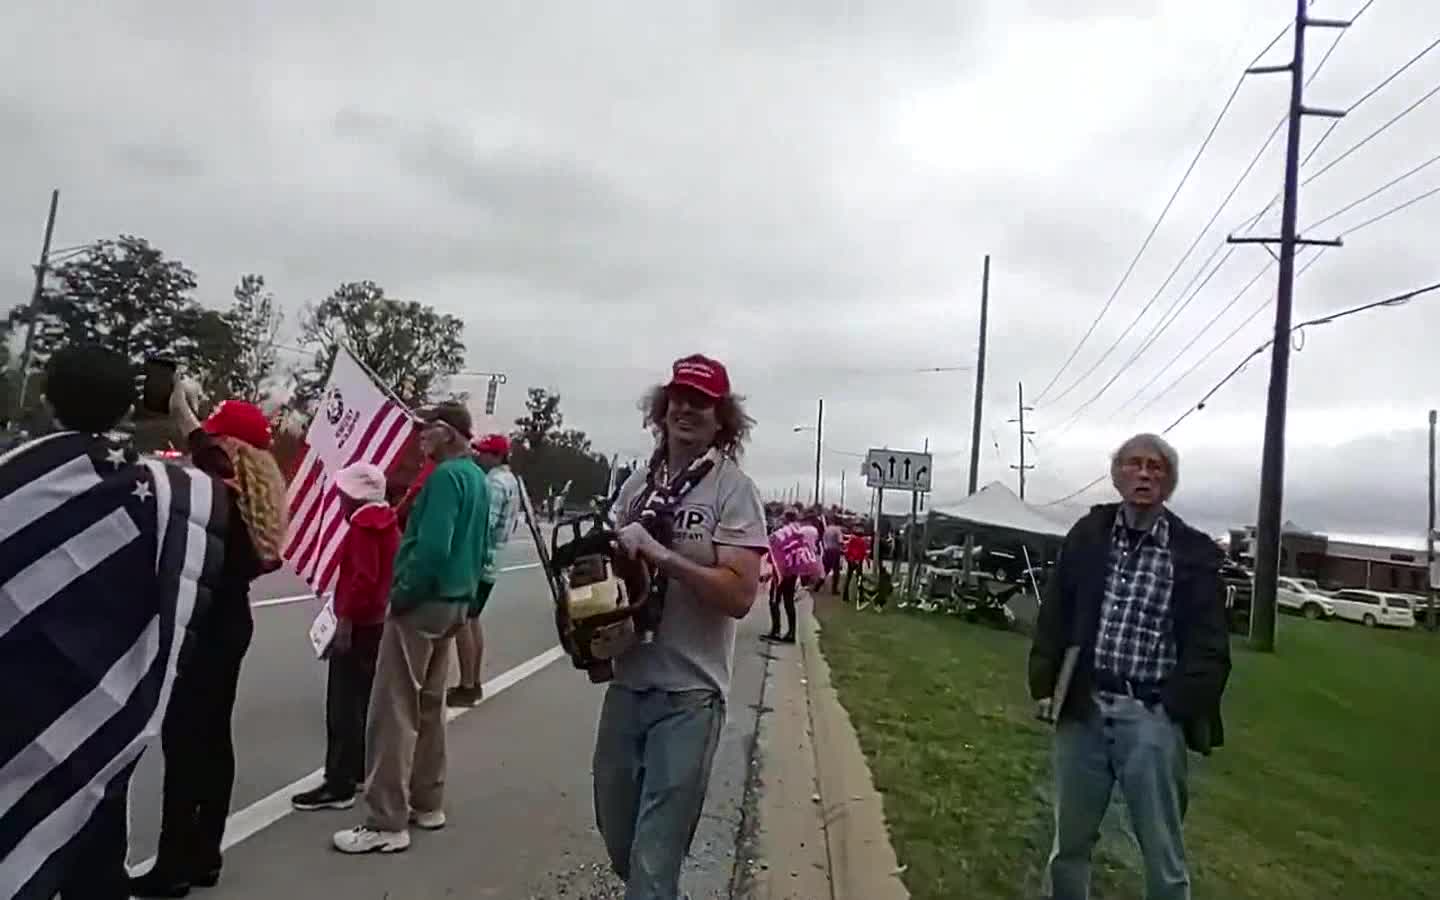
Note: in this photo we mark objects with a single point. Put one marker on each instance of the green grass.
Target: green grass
(1328, 786)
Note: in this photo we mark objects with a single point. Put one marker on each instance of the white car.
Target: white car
(1304, 596)
(1373, 608)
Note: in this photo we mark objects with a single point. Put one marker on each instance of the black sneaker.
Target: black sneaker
(158, 884)
(323, 797)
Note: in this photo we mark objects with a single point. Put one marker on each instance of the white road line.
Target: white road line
(270, 809)
(300, 598)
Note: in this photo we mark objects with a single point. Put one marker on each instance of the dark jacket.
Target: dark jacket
(1070, 616)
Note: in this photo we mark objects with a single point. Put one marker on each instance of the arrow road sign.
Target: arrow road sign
(903, 470)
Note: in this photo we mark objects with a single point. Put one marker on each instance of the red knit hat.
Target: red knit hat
(240, 420)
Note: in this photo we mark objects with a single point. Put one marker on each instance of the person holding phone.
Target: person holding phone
(232, 446)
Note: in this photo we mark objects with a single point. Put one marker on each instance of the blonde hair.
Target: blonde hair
(261, 490)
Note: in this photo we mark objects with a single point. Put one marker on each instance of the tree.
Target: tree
(547, 457)
(254, 324)
(410, 347)
(542, 419)
(122, 294)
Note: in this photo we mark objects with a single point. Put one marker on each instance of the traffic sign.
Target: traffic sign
(902, 470)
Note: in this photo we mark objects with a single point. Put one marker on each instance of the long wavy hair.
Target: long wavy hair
(735, 423)
(261, 490)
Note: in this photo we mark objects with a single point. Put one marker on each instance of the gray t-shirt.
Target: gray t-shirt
(694, 648)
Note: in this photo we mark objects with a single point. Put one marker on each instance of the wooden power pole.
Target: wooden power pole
(1024, 436)
(1430, 535)
(1272, 461)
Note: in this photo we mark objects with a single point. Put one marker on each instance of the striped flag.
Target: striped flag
(103, 562)
(356, 422)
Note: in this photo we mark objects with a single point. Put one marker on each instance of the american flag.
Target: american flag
(355, 421)
(103, 562)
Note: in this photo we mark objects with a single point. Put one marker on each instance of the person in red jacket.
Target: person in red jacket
(857, 550)
(367, 559)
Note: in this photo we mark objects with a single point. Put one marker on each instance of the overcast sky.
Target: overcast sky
(803, 189)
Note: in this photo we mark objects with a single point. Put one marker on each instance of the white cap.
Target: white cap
(363, 481)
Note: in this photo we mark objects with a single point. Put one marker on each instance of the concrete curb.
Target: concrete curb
(863, 865)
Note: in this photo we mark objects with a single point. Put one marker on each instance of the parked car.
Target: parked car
(1371, 608)
(1237, 583)
(1302, 595)
(1001, 563)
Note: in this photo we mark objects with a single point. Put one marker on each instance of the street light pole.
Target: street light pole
(35, 295)
(819, 441)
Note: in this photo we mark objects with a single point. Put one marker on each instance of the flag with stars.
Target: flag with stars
(104, 562)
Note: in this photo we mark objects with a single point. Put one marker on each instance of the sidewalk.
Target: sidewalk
(818, 823)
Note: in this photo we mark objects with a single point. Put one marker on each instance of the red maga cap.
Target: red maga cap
(703, 374)
(240, 420)
(498, 444)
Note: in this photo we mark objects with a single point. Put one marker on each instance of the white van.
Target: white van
(1304, 596)
(1373, 608)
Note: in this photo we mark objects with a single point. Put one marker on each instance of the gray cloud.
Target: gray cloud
(803, 189)
(158, 160)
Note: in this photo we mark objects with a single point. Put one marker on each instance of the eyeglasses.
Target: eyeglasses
(1149, 466)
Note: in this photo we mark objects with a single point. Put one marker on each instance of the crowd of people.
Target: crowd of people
(126, 585)
(806, 550)
(413, 580)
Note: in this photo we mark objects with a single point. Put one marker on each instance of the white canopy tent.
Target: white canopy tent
(996, 506)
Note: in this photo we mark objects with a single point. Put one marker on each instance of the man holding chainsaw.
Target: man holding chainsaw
(695, 519)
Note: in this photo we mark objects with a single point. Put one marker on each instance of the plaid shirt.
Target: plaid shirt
(504, 498)
(1136, 638)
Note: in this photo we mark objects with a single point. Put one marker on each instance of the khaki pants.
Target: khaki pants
(405, 734)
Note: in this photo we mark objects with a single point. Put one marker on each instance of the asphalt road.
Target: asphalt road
(518, 786)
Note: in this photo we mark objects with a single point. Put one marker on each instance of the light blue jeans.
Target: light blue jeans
(1143, 750)
(653, 754)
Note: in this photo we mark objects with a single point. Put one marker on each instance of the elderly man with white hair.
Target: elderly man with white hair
(1132, 642)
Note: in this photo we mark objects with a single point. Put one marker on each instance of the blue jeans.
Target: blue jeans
(653, 754)
(1141, 748)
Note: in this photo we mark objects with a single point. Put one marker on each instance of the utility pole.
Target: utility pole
(1024, 435)
(819, 440)
(969, 562)
(40, 269)
(979, 380)
(842, 487)
(1430, 534)
(1272, 466)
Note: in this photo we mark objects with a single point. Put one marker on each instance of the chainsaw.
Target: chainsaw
(602, 605)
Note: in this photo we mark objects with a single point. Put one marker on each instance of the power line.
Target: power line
(1164, 323)
(1390, 212)
(1269, 300)
(1372, 135)
(1255, 219)
(1229, 101)
(1398, 300)
(1381, 189)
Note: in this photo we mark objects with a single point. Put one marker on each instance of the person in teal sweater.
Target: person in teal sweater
(437, 571)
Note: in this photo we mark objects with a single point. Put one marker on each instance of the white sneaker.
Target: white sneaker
(362, 839)
(430, 821)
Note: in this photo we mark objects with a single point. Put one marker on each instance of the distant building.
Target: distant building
(1338, 564)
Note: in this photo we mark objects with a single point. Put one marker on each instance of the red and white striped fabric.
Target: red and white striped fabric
(356, 421)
